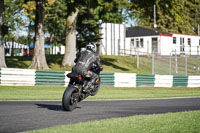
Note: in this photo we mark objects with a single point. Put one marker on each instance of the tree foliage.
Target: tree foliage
(12, 17)
(172, 15)
(11, 20)
(55, 22)
(90, 19)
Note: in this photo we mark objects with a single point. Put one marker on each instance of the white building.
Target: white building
(116, 40)
(113, 39)
(147, 41)
(183, 43)
(20, 49)
(57, 50)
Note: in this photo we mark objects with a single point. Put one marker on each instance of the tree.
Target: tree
(55, 22)
(29, 8)
(13, 19)
(2, 53)
(73, 10)
(195, 14)
(90, 14)
(88, 27)
(10, 20)
(172, 15)
(90, 20)
(39, 58)
(70, 39)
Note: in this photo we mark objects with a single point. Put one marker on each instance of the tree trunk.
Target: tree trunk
(2, 50)
(70, 39)
(39, 59)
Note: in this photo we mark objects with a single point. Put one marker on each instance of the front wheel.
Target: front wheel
(70, 99)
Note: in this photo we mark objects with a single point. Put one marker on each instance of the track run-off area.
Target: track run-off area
(20, 116)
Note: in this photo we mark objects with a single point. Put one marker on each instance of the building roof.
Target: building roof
(141, 31)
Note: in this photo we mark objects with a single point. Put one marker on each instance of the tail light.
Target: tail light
(79, 77)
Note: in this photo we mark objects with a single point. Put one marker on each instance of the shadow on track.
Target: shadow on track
(52, 107)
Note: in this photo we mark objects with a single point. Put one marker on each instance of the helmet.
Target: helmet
(92, 46)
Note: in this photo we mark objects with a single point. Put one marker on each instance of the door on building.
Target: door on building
(155, 45)
(182, 45)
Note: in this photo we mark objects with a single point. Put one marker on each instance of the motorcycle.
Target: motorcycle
(75, 92)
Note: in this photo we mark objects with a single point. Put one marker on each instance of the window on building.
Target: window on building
(141, 43)
(132, 43)
(174, 40)
(189, 41)
(137, 43)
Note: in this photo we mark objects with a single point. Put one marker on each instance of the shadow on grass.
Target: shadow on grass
(110, 62)
(18, 62)
(25, 61)
(54, 59)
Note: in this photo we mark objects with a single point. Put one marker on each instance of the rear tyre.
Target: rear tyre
(70, 99)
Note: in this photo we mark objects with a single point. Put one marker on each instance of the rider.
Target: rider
(84, 62)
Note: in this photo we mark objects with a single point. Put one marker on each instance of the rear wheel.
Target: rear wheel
(70, 99)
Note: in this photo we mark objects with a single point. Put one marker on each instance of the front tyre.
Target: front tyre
(70, 99)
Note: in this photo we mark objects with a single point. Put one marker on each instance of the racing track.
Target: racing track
(19, 116)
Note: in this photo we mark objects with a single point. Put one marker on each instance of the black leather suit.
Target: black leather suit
(84, 62)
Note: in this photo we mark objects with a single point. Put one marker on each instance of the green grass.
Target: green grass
(122, 64)
(182, 122)
(56, 92)
(54, 62)
(125, 65)
(31, 92)
(110, 64)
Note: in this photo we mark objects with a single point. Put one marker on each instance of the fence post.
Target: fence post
(185, 65)
(138, 60)
(153, 63)
(176, 62)
(170, 64)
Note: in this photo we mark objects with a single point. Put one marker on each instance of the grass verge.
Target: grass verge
(110, 63)
(55, 92)
(182, 122)
(122, 64)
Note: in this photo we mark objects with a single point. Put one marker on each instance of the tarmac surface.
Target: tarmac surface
(20, 116)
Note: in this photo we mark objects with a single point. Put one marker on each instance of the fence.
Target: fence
(183, 64)
(139, 80)
(30, 77)
(178, 63)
